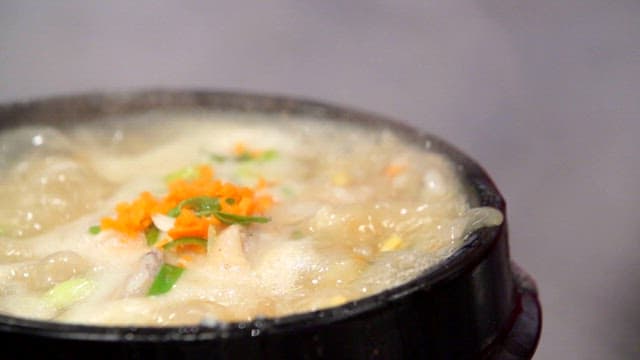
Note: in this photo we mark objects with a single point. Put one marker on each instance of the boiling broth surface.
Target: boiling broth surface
(314, 214)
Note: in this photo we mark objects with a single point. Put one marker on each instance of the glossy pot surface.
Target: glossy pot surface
(476, 304)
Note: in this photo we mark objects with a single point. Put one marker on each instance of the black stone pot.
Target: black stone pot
(476, 304)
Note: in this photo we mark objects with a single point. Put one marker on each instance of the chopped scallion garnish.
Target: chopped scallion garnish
(202, 205)
(185, 241)
(244, 156)
(218, 158)
(187, 173)
(207, 206)
(165, 279)
(268, 155)
(240, 219)
(152, 234)
(69, 292)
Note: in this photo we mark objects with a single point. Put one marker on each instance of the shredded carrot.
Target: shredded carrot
(191, 248)
(133, 218)
(160, 244)
(188, 224)
(394, 170)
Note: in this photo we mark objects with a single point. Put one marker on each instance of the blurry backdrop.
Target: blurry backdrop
(545, 94)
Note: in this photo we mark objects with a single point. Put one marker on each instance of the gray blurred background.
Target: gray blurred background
(545, 94)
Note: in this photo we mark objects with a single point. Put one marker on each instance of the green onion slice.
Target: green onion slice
(202, 205)
(240, 219)
(152, 234)
(69, 292)
(187, 173)
(185, 241)
(218, 158)
(206, 206)
(165, 279)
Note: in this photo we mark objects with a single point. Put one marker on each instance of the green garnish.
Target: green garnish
(202, 205)
(297, 234)
(261, 157)
(207, 206)
(187, 173)
(185, 241)
(69, 292)
(94, 230)
(244, 157)
(230, 201)
(247, 156)
(152, 234)
(240, 219)
(218, 158)
(165, 279)
(268, 155)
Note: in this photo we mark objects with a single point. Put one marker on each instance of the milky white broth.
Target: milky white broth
(355, 211)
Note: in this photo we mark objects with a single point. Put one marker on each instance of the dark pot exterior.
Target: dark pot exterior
(476, 304)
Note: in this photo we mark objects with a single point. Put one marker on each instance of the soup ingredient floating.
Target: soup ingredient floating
(195, 208)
